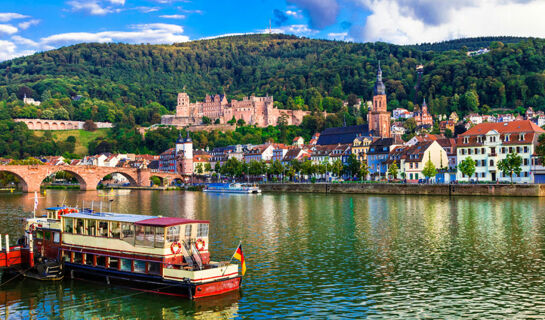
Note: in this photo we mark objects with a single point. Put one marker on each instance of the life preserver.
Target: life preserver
(175, 247)
(73, 210)
(200, 244)
(32, 227)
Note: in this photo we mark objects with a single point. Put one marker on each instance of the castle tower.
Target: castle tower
(182, 109)
(184, 155)
(379, 117)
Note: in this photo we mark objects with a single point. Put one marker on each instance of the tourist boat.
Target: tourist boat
(231, 188)
(151, 253)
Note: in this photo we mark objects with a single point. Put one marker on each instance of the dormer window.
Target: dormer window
(521, 137)
(506, 138)
(466, 139)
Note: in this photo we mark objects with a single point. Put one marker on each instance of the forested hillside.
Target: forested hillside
(138, 83)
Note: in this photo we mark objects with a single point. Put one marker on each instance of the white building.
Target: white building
(489, 143)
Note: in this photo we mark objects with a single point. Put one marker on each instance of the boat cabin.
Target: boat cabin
(135, 243)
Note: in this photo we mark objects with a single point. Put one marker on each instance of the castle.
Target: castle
(258, 111)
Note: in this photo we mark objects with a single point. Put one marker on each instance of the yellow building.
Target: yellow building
(360, 147)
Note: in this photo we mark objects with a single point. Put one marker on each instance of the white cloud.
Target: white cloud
(27, 24)
(155, 33)
(8, 50)
(295, 14)
(297, 29)
(417, 21)
(8, 16)
(93, 7)
(25, 41)
(118, 2)
(8, 29)
(172, 16)
(339, 36)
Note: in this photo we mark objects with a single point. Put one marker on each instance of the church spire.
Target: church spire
(379, 86)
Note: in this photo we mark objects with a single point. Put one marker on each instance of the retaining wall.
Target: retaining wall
(517, 190)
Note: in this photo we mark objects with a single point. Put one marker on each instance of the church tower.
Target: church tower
(379, 117)
(184, 155)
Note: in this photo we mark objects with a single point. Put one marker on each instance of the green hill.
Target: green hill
(138, 83)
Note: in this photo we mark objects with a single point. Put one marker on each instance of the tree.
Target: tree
(337, 168)
(429, 168)
(89, 125)
(353, 165)
(199, 168)
(207, 167)
(410, 125)
(510, 165)
(540, 148)
(467, 167)
(206, 120)
(241, 122)
(364, 170)
(393, 170)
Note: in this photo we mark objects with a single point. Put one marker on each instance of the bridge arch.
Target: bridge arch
(22, 182)
(81, 180)
(132, 180)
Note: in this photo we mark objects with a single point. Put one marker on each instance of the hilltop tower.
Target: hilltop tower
(182, 108)
(379, 117)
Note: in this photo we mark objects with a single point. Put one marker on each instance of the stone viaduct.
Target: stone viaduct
(32, 176)
(44, 124)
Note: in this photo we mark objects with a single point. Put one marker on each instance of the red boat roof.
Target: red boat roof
(168, 221)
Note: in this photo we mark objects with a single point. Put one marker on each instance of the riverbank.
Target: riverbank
(502, 190)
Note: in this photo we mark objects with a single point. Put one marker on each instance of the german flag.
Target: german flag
(240, 257)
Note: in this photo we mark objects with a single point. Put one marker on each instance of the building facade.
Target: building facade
(378, 117)
(259, 111)
(489, 143)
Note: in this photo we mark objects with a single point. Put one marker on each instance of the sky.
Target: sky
(28, 26)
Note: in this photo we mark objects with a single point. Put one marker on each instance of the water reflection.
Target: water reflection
(348, 256)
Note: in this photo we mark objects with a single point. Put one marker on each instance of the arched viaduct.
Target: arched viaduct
(32, 176)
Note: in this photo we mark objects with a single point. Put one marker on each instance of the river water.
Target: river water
(321, 256)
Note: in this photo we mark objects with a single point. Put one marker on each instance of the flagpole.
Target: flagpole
(228, 263)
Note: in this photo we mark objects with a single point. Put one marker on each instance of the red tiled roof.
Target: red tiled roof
(504, 127)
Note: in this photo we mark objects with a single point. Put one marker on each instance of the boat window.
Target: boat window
(79, 226)
(115, 230)
(188, 230)
(68, 225)
(203, 230)
(148, 240)
(47, 235)
(89, 259)
(92, 227)
(102, 229)
(154, 268)
(66, 256)
(39, 235)
(78, 257)
(101, 261)
(114, 263)
(127, 232)
(126, 265)
(139, 266)
(173, 234)
(159, 237)
(140, 235)
(56, 237)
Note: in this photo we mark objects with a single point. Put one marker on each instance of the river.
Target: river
(322, 256)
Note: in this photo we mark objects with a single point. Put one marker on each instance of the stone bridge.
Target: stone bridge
(32, 176)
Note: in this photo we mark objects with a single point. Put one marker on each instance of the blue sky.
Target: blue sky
(29, 26)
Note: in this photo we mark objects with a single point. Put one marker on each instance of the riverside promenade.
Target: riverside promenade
(503, 190)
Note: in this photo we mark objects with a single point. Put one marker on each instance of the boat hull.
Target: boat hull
(153, 283)
(234, 191)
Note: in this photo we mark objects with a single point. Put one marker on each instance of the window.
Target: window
(115, 230)
(510, 149)
(483, 163)
(91, 227)
(506, 138)
(127, 232)
(466, 139)
(89, 259)
(114, 263)
(202, 231)
(102, 229)
(80, 228)
(39, 235)
(78, 257)
(477, 151)
(469, 151)
(483, 175)
(525, 149)
(47, 235)
(68, 225)
(502, 150)
(66, 256)
(173, 234)
(159, 237)
(126, 265)
(491, 162)
(518, 149)
(139, 266)
(525, 162)
(101, 261)
(483, 151)
(154, 268)
(463, 151)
